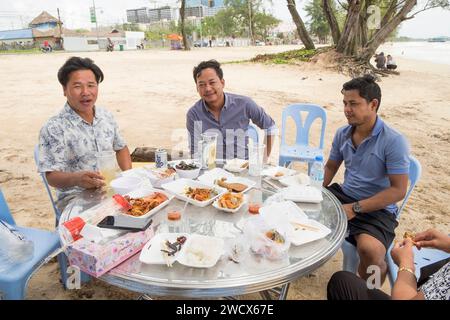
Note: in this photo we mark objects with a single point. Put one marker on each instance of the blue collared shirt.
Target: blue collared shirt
(384, 152)
(233, 122)
(68, 143)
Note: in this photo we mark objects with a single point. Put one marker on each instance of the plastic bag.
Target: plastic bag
(277, 197)
(268, 239)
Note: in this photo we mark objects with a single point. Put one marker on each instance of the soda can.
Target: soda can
(71, 229)
(161, 158)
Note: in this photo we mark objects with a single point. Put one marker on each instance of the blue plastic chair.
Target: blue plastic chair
(13, 283)
(47, 187)
(301, 150)
(252, 133)
(422, 258)
(62, 259)
(351, 257)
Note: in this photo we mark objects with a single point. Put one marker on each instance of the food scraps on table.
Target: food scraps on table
(200, 194)
(275, 236)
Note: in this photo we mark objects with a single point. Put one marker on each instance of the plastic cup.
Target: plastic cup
(107, 166)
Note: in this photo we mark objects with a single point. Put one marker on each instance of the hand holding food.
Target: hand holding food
(433, 238)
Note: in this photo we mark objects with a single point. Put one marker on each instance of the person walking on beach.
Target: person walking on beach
(227, 114)
(434, 282)
(69, 141)
(376, 159)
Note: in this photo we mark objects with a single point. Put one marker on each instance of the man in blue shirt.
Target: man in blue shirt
(376, 159)
(226, 114)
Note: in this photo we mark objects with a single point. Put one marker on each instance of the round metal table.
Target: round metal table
(226, 278)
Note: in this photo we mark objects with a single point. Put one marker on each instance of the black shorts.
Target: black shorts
(379, 224)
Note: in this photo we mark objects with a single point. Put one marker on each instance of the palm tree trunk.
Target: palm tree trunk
(302, 32)
(346, 42)
(332, 22)
(183, 30)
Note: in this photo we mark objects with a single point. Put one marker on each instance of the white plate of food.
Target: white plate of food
(201, 251)
(194, 192)
(236, 165)
(286, 209)
(295, 180)
(302, 193)
(277, 173)
(227, 180)
(146, 201)
(214, 174)
(159, 176)
(189, 169)
(306, 231)
(163, 248)
(230, 202)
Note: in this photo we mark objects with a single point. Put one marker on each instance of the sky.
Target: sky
(75, 14)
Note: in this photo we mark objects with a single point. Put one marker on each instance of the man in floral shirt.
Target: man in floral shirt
(70, 141)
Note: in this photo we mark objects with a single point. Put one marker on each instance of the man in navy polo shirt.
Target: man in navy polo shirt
(376, 159)
(226, 114)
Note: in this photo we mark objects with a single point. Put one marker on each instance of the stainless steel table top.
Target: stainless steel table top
(226, 278)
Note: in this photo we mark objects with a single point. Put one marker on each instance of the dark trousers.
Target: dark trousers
(345, 285)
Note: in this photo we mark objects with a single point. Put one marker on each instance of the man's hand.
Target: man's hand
(403, 254)
(348, 208)
(89, 179)
(433, 239)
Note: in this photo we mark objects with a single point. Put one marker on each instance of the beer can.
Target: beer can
(71, 229)
(161, 158)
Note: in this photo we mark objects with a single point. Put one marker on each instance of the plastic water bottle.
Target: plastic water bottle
(317, 172)
(14, 247)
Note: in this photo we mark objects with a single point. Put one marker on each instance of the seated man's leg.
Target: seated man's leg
(372, 233)
(371, 252)
(345, 285)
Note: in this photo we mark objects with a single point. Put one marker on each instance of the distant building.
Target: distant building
(194, 8)
(206, 3)
(16, 36)
(147, 15)
(44, 21)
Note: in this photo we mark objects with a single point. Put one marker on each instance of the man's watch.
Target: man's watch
(357, 208)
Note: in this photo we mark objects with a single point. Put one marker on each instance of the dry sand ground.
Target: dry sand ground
(149, 93)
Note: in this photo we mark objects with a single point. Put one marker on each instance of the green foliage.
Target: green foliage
(158, 32)
(318, 25)
(245, 13)
(287, 57)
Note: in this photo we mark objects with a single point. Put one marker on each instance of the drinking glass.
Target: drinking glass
(256, 159)
(210, 149)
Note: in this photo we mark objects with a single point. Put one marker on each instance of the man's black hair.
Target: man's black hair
(366, 86)
(75, 64)
(213, 64)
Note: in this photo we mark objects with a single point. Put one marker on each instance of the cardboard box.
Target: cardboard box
(97, 259)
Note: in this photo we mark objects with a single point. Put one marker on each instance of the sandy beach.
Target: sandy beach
(149, 92)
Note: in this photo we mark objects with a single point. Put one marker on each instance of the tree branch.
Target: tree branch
(424, 9)
(342, 6)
